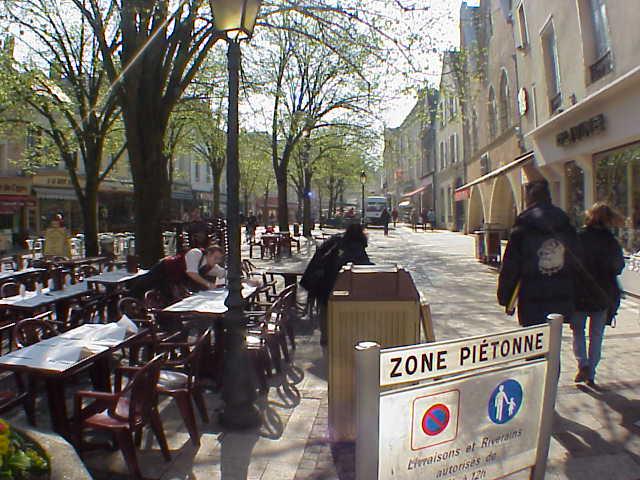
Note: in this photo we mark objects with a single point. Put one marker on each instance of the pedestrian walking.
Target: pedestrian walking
(252, 224)
(394, 216)
(322, 271)
(540, 260)
(414, 220)
(385, 218)
(597, 290)
(424, 218)
(431, 218)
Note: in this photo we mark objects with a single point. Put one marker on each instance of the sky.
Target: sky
(447, 12)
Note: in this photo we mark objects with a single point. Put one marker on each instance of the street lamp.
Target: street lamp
(363, 181)
(235, 19)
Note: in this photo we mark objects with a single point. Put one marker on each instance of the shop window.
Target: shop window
(450, 205)
(493, 121)
(618, 184)
(197, 171)
(574, 176)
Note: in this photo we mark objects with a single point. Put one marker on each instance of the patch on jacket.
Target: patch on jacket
(551, 257)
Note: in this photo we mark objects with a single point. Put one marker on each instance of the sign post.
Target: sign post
(477, 408)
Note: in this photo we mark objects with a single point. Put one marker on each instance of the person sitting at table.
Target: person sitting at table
(194, 270)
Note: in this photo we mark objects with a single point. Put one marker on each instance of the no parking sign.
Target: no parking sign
(492, 417)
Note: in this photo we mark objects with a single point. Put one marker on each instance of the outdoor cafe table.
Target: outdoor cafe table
(206, 308)
(57, 359)
(32, 301)
(17, 275)
(113, 282)
(115, 279)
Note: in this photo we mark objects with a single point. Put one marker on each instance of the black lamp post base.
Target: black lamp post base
(240, 417)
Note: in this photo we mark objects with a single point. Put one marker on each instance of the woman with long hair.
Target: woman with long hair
(597, 290)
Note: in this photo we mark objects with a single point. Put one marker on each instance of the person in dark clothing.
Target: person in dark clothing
(597, 290)
(323, 269)
(539, 264)
(394, 216)
(385, 218)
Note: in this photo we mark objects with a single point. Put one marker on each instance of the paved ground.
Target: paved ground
(595, 436)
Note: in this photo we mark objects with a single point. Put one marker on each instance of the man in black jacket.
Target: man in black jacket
(540, 260)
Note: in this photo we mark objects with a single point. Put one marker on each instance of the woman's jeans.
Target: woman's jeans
(597, 322)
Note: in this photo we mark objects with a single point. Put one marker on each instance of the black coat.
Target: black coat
(602, 261)
(542, 254)
(322, 271)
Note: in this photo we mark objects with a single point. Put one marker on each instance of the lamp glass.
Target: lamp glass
(363, 178)
(235, 18)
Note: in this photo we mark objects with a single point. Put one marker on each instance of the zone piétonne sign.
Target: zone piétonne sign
(404, 365)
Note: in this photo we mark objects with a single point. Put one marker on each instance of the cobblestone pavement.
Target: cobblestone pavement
(595, 436)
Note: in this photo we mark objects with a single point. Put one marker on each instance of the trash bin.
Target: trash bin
(480, 250)
(368, 303)
(492, 245)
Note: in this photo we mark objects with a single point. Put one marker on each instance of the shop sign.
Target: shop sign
(15, 186)
(54, 180)
(581, 131)
(474, 408)
(481, 427)
(523, 101)
(410, 364)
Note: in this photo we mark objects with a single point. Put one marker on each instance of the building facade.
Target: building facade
(409, 156)
(449, 143)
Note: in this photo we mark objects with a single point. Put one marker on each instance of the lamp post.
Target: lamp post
(235, 19)
(363, 181)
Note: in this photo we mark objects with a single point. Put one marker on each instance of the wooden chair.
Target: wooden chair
(87, 271)
(32, 330)
(271, 328)
(154, 300)
(180, 379)
(268, 286)
(9, 289)
(21, 395)
(125, 412)
(143, 318)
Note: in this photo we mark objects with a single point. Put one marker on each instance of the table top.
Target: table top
(64, 353)
(210, 301)
(297, 270)
(116, 276)
(33, 299)
(19, 273)
(82, 261)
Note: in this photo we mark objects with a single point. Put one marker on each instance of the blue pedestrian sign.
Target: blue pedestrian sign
(505, 401)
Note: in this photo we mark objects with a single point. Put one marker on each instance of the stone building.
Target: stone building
(450, 148)
(579, 68)
(492, 193)
(409, 161)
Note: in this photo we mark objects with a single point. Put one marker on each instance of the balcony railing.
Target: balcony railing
(602, 67)
(556, 102)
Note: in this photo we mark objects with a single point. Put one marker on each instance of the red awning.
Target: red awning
(17, 201)
(412, 193)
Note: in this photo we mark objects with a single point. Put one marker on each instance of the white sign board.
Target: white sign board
(475, 427)
(411, 364)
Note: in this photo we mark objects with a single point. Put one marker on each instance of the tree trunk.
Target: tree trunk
(216, 192)
(265, 205)
(306, 205)
(150, 184)
(89, 208)
(283, 204)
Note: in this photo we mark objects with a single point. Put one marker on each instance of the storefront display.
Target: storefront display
(617, 176)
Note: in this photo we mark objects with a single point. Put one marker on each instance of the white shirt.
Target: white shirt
(194, 259)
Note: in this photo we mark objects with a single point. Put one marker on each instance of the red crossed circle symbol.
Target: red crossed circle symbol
(436, 419)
